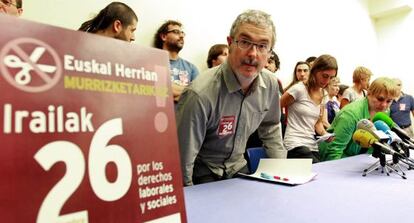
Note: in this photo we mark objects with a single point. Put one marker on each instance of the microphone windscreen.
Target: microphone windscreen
(381, 125)
(384, 117)
(366, 124)
(363, 138)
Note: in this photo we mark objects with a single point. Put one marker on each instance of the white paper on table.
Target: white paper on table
(287, 171)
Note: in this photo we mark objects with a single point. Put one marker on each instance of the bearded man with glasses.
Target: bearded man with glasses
(170, 37)
(218, 112)
(11, 7)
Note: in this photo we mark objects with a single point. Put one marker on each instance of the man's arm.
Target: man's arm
(177, 90)
(344, 128)
(191, 128)
(271, 137)
(270, 131)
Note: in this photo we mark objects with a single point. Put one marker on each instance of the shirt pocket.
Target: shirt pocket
(257, 118)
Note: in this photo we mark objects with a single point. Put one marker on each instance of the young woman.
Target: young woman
(306, 108)
(300, 73)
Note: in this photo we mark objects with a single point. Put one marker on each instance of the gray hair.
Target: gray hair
(257, 18)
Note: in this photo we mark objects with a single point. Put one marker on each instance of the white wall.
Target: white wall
(304, 28)
(394, 22)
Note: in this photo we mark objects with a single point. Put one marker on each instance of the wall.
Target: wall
(393, 22)
(304, 28)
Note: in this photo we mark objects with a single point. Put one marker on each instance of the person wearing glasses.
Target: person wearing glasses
(11, 7)
(170, 37)
(379, 97)
(117, 20)
(305, 104)
(221, 108)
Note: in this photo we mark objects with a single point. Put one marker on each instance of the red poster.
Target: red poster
(87, 129)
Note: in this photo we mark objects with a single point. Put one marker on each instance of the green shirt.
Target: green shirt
(344, 126)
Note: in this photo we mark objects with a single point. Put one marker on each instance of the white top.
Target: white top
(352, 95)
(302, 117)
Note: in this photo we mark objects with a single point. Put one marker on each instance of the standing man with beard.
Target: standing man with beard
(170, 37)
(219, 111)
(117, 20)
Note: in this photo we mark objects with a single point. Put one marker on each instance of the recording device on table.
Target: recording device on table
(383, 142)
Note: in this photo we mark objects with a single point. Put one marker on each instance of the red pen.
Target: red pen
(279, 178)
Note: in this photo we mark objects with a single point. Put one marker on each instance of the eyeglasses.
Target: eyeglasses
(244, 44)
(176, 31)
(9, 3)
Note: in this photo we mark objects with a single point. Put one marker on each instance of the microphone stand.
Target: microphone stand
(395, 158)
(382, 163)
(406, 148)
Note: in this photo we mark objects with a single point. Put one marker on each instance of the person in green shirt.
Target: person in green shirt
(380, 95)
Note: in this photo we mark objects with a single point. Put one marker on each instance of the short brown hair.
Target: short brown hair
(215, 51)
(19, 4)
(383, 85)
(361, 73)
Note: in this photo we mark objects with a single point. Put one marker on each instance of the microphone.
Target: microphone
(382, 126)
(368, 126)
(394, 127)
(365, 139)
(396, 142)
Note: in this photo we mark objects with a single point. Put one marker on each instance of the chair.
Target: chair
(254, 155)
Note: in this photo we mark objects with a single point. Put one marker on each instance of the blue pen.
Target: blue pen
(266, 176)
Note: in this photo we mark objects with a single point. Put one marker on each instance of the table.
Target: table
(339, 193)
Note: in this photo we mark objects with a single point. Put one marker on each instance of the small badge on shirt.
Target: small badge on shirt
(226, 125)
(402, 107)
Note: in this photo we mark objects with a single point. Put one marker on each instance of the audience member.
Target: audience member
(170, 37)
(379, 97)
(342, 88)
(361, 78)
(332, 103)
(401, 109)
(273, 65)
(223, 106)
(300, 73)
(306, 108)
(217, 55)
(11, 7)
(117, 20)
(310, 60)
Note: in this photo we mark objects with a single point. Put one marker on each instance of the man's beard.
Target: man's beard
(175, 47)
(122, 36)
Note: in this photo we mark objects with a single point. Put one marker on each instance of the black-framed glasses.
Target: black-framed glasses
(176, 31)
(9, 3)
(245, 44)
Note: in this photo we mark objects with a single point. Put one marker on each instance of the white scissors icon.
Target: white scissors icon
(23, 77)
